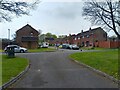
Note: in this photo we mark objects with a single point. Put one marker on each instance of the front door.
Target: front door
(87, 43)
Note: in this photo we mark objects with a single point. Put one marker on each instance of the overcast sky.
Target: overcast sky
(54, 16)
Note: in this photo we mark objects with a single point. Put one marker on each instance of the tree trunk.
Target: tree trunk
(113, 21)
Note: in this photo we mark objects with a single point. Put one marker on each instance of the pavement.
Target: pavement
(56, 70)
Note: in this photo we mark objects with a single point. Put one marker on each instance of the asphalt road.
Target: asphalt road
(55, 70)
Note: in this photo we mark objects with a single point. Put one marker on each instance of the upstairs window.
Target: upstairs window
(87, 36)
(31, 33)
(75, 38)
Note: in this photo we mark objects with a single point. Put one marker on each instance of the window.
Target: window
(82, 36)
(75, 38)
(31, 33)
(87, 36)
(16, 46)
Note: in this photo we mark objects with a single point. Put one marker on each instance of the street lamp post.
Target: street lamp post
(92, 39)
(9, 34)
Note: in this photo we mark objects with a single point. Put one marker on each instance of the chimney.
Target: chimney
(81, 31)
(69, 34)
(90, 29)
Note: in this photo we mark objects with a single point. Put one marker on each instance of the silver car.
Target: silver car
(74, 47)
(17, 49)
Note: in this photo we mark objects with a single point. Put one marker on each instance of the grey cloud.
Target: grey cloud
(69, 10)
(65, 10)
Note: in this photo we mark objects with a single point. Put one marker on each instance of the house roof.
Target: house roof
(88, 31)
(27, 26)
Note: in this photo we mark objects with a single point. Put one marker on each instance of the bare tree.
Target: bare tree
(9, 9)
(103, 13)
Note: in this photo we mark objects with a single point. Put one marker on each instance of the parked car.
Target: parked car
(65, 46)
(44, 45)
(68, 46)
(60, 46)
(17, 49)
(75, 47)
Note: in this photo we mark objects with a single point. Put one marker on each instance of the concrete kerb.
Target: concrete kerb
(12, 81)
(43, 51)
(98, 72)
(51, 51)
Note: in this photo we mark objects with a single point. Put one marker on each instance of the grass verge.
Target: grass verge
(11, 67)
(41, 50)
(1, 50)
(0, 70)
(95, 48)
(105, 61)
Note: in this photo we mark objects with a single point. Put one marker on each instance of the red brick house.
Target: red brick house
(87, 38)
(59, 41)
(90, 37)
(27, 37)
(93, 37)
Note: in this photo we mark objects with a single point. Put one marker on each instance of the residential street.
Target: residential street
(56, 70)
(40, 38)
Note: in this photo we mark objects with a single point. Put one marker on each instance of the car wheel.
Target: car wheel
(6, 51)
(22, 51)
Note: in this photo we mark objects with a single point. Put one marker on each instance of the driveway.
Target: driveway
(55, 70)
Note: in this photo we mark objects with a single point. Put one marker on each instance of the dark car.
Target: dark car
(68, 46)
(65, 46)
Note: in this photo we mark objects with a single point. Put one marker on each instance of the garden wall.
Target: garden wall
(108, 44)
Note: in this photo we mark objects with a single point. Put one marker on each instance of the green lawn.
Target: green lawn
(0, 70)
(41, 50)
(95, 48)
(11, 67)
(106, 61)
(1, 50)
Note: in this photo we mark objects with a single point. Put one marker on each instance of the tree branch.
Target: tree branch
(101, 16)
(97, 5)
(10, 8)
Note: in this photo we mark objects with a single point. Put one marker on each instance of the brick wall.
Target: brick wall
(108, 44)
(30, 45)
(115, 44)
(77, 42)
(104, 44)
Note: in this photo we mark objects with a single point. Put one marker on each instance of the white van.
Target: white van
(45, 45)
